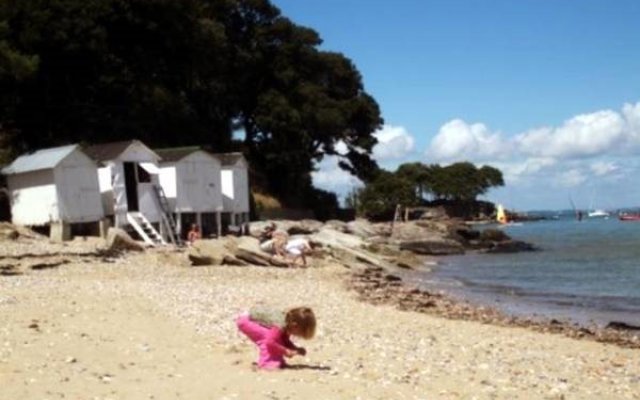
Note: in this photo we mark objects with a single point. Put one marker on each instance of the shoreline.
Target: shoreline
(514, 301)
(378, 286)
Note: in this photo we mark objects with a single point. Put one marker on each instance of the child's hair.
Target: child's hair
(303, 319)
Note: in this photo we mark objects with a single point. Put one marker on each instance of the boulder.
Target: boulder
(118, 240)
(248, 250)
(463, 233)
(363, 228)
(348, 255)
(8, 231)
(440, 247)
(210, 251)
(257, 227)
(622, 326)
(302, 227)
(329, 237)
(337, 225)
(419, 231)
(493, 235)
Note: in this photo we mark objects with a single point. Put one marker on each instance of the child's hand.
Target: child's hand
(302, 351)
(290, 353)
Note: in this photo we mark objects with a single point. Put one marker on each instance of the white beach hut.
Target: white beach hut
(54, 185)
(129, 184)
(190, 178)
(235, 187)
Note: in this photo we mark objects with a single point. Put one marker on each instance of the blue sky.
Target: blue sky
(546, 90)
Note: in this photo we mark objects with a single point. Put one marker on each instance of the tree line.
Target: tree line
(228, 74)
(415, 184)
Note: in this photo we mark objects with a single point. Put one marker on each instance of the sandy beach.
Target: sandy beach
(148, 326)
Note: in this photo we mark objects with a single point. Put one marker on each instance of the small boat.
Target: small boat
(629, 217)
(598, 214)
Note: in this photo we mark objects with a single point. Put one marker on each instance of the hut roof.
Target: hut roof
(176, 153)
(41, 159)
(227, 159)
(108, 151)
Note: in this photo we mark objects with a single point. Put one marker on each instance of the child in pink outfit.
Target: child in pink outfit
(271, 332)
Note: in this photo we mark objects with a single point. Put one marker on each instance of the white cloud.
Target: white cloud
(602, 168)
(330, 176)
(588, 150)
(571, 178)
(631, 113)
(458, 140)
(581, 136)
(394, 142)
(516, 171)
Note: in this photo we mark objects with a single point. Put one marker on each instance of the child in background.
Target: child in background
(297, 249)
(271, 330)
(194, 234)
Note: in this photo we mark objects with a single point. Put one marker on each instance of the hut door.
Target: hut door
(131, 186)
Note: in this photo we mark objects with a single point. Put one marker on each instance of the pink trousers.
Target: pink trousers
(264, 337)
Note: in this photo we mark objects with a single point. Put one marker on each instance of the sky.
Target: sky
(548, 91)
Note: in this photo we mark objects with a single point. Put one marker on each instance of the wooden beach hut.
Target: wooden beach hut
(55, 185)
(130, 188)
(235, 189)
(190, 178)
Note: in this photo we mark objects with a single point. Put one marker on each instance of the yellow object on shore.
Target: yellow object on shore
(501, 216)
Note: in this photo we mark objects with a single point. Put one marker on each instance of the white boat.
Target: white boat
(598, 214)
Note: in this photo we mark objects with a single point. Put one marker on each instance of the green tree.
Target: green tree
(180, 73)
(379, 198)
(420, 175)
(298, 98)
(463, 181)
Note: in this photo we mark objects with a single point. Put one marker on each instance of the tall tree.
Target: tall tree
(298, 98)
(378, 199)
(185, 72)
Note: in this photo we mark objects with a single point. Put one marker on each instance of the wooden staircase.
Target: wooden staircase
(144, 228)
(167, 216)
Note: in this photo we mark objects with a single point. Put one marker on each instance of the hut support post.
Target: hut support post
(219, 223)
(179, 223)
(59, 231)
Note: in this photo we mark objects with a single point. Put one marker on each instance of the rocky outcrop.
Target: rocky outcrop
(214, 252)
(13, 232)
(8, 231)
(230, 250)
(302, 227)
(118, 241)
(333, 238)
(441, 247)
(425, 238)
(248, 249)
(365, 229)
(337, 225)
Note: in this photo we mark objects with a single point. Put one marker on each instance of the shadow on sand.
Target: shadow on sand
(306, 366)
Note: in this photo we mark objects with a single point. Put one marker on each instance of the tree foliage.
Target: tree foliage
(180, 73)
(414, 183)
(379, 198)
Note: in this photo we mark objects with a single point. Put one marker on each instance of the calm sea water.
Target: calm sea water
(586, 272)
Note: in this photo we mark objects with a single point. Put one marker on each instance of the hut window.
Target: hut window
(143, 175)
